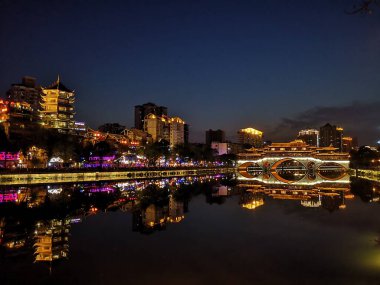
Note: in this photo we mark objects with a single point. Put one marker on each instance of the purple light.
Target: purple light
(11, 197)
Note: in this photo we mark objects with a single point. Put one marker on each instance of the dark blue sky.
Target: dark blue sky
(218, 64)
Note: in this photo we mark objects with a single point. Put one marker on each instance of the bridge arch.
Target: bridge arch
(338, 166)
(283, 179)
(243, 169)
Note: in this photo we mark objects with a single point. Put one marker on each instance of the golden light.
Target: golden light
(251, 131)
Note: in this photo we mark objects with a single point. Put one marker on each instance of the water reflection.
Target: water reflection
(35, 222)
(51, 239)
(330, 197)
(289, 170)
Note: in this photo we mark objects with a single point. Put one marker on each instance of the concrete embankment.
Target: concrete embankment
(70, 177)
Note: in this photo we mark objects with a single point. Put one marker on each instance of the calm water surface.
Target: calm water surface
(190, 231)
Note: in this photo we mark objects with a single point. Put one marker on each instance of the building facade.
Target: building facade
(156, 126)
(26, 92)
(141, 111)
(177, 131)
(186, 133)
(220, 148)
(347, 144)
(215, 136)
(57, 110)
(17, 119)
(164, 128)
(331, 135)
(309, 136)
(251, 137)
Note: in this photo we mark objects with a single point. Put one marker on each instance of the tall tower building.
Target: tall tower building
(250, 136)
(58, 107)
(310, 136)
(141, 111)
(331, 135)
(215, 136)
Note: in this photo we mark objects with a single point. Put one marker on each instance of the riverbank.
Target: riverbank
(373, 175)
(106, 175)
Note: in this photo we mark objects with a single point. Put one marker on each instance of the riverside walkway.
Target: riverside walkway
(27, 178)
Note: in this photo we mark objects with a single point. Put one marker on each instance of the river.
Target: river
(190, 230)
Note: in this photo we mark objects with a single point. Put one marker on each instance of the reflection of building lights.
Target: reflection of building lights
(10, 197)
(75, 220)
(56, 160)
(253, 204)
(311, 203)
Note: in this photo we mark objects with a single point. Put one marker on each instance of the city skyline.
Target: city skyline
(227, 61)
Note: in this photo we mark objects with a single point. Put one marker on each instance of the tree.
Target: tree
(102, 149)
(152, 194)
(4, 142)
(364, 157)
(156, 150)
(228, 158)
(112, 128)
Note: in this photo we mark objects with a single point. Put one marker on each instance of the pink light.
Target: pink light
(9, 155)
(10, 197)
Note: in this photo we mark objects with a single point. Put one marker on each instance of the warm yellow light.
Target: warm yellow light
(251, 131)
(347, 138)
(253, 205)
(177, 120)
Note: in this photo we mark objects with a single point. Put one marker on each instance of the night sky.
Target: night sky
(273, 65)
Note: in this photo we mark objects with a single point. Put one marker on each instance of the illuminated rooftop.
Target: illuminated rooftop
(347, 138)
(177, 120)
(251, 131)
(289, 144)
(59, 86)
(308, 132)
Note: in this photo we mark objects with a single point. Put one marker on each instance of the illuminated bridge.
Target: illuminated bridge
(286, 163)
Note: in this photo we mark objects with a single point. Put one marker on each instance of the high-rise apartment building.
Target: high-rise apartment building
(156, 126)
(309, 136)
(26, 92)
(186, 133)
(169, 129)
(331, 135)
(177, 131)
(141, 111)
(215, 136)
(348, 144)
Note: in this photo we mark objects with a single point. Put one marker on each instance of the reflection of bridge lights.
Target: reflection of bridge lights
(253, 204)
